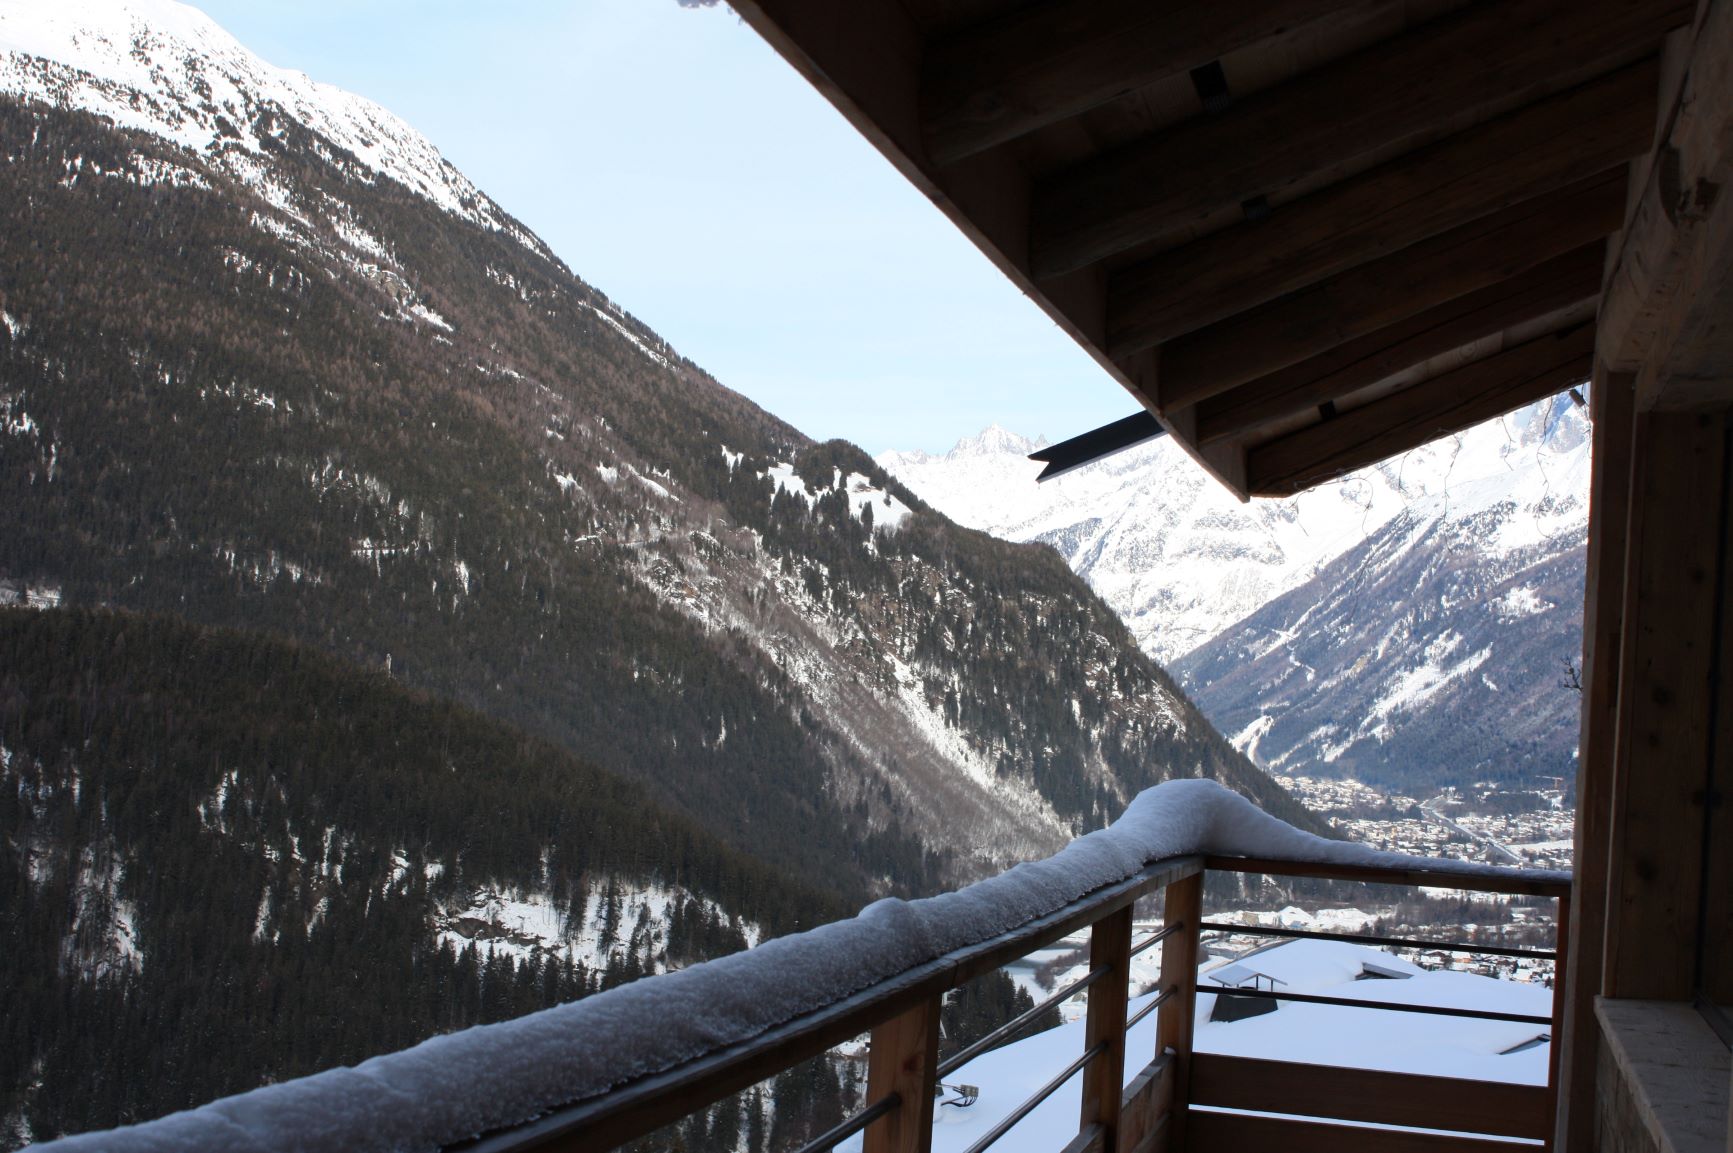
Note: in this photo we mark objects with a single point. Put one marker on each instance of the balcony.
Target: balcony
(1176, 1098)
(618, 1066)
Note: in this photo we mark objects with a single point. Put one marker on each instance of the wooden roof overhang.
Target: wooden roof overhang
(1304, 234)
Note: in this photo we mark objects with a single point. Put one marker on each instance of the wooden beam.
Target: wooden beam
(1414, 416)
(1104, 1077)
(1524, 154)
(1673, 580)
(1037, 65)
(1578, 1042)
(1174, 1026)
(1717, 902)
(1211, 1132)
(904, 1060)
(1363, 300)
(1090, 1140)
(1369, 1095)
(1573, 279)
(1668, 294)
(1477, 63)
(1611, 398)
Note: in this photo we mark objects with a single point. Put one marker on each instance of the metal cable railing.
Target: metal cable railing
(843, 1130)
(1387, 1006)
(1157, 937)
(1010, 1028)
(1010, 1120)
(1155, 1004)
(1369, 939)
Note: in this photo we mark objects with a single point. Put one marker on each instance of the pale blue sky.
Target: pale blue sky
(674, 161)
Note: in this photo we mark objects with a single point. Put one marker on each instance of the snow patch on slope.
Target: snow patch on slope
(522, 923)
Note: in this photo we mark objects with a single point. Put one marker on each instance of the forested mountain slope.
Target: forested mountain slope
(229, 860)
(267, 362)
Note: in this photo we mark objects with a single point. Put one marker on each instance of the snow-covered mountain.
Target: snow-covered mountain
(1320, 631)
(169, 70)
(386, 334)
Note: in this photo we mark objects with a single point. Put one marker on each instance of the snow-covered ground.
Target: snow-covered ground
(1312, 1034)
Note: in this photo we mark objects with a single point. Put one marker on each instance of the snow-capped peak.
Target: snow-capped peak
(168, 69)
(995, 439)
(1181, 559)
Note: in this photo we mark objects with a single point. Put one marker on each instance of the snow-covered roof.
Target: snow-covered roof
(1240, 976)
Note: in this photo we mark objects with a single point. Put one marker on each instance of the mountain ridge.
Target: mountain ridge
(1230, 595)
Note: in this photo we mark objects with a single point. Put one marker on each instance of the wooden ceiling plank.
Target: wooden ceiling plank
(1524, 154)
(1439, 78)
(1558, 284)
(1447, 404)
(1363, 300)
(1039, 65)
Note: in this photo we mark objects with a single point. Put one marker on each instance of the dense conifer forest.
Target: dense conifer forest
(228, 853)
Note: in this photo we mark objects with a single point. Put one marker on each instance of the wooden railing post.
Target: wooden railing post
(904, 1060)
(1560, 1007)
(1173, 1032)
(1109, 997)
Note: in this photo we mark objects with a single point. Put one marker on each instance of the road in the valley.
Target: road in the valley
(1430, 808)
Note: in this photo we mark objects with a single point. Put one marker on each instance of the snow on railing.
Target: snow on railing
(451, 1088)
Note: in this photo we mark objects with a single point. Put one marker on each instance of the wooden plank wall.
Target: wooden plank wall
(1148, 1099)
(1245, 1133)
(1369, 1095)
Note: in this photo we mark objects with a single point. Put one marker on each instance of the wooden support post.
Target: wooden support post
(1610, 399)
(1672, 584)
(1560, 1007)
(1104, 1077)
(1173, 1032)
(905, 1061)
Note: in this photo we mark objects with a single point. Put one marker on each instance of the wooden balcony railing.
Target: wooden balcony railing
(1178, 1100)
